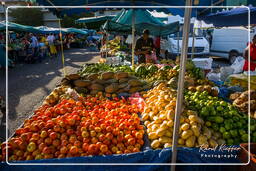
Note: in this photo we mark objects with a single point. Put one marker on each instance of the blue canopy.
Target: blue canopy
(128, 3)
(234, 17)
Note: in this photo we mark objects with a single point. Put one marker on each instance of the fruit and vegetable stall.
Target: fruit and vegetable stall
(116, 113)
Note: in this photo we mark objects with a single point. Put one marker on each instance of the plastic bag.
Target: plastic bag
(225, 72)
(238, 65)
(213, 76)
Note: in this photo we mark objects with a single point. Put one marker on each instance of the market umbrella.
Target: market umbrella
(234, 17)
(122, 23)
(77, 31)
(48, 30)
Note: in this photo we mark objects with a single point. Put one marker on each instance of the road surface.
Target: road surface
(29, 84)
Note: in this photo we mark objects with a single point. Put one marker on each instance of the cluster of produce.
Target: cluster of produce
(109, 83)
(221, 117)
(167, 61)
(158, 117)
(201, 88)
(101, 67)
(115, 46)
(241, 101)
(88, 126)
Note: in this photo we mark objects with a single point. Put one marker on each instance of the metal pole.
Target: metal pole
(133, 36)
(62, 53)
(178, 43)
(193, 44)
(106, 45)
(179, 102)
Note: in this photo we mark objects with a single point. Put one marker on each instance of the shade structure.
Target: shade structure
(234, 17)
(77, 31)
(128, 3)
(122, 23)
(92, 20)
(48, 30)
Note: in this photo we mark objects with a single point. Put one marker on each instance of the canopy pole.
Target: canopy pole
(193, 44)
(106, 45)
(62, 51)
(179, 103)
(178, 54)
(133, 37)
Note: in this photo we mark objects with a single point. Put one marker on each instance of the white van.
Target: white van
(230, 42)
(173, 43)
(172, 46)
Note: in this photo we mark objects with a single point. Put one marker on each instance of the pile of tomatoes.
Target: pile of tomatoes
(89, 126)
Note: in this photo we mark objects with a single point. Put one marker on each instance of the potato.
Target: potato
(196, 130)
(202, 139)
(170, 123)
(185, 126)
(186, 134)
(146, 123)
(212, 143)
(152, 135)
(160, 132)
(155, 144)
(145, 116)
(164, 126)
(170, 114)
(168, 133)
(164, 140)
(181, 141)
(190, 142)
(167, 145)
(92, 77)
(73, 77)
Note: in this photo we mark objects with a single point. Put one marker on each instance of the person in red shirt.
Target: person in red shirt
(252, 48)
(157, 45)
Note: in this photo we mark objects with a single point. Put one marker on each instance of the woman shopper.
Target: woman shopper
(50, 40)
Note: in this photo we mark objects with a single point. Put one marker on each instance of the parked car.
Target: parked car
(230, 42)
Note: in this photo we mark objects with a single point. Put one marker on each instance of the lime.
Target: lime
(230, 142)
(242, 132)
(222, 129)
(226, 135)
(208, 124)
(219, 119)
(245, 138)
(219, 108)
(234, 133)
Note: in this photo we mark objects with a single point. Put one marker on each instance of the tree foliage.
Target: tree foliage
(27, 16)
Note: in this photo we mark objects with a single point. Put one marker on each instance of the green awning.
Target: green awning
(122, 23)
(92, 20)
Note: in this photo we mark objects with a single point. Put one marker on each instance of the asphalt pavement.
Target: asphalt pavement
(29, 84)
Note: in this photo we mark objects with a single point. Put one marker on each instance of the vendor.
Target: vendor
(252, 48)
(144, 46)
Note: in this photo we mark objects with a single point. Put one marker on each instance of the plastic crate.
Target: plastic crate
(244, 156)
(203, 63)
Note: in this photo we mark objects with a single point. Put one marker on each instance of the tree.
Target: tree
(69, 21)
(27, 16)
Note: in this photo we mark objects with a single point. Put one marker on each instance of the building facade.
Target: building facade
(50, 20)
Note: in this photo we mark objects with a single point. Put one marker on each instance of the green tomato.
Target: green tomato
(245, 138)
(219, 108)
(219, 119)
(234, 133)
(230, 142)
(222, 130)
(226, 135)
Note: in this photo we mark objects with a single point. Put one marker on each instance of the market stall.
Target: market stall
(90, 97)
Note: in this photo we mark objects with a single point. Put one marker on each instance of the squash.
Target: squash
(120, 75)
(152, 135)
(167, 145)
(186, 134)
(82, 83)
(111, 88)
(107, 75)
(98, 87)
(212, 143)
(202, 139)
(185, 126)
(164, 140)
(92, 77)
(196, 130)
(135, 83)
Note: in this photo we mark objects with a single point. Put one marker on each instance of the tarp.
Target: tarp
(41, 29)
(122, 23)
(185, 155)
(92, 20)
(234, 17)
(102, 3)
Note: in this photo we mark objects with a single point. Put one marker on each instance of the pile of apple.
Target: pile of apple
(89, 126)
